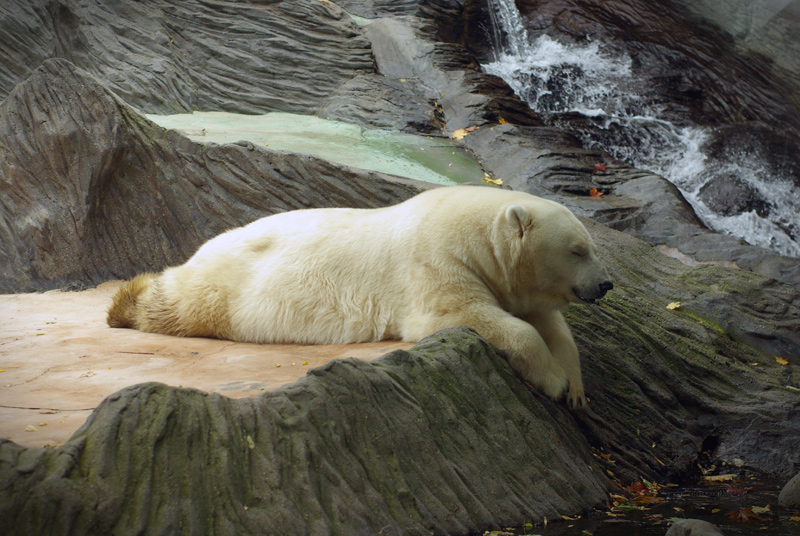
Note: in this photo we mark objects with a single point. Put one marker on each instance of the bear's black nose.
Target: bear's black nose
(605, 286)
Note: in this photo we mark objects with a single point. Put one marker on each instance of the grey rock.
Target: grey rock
(442, 438)
(789, 496)
(693, 527)
(94, 191)
(172, 56)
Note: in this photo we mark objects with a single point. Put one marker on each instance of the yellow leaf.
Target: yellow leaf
(716, 511)
(674, 305)
(459, 134)
(760, 509)
(496, 182)
(795, 519)
(250, 443)
(503, 121)
(277, 364)
(304, 363)
(567, 518)
(781, 360)
(718, 478)
(31, 428)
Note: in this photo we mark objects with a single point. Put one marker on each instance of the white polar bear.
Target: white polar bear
(501, 262)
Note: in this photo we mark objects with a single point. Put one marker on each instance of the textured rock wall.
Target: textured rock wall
(173, 56)
(93, 191)
(443, 438)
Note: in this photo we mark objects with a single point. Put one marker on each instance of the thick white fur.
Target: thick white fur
(503, 263)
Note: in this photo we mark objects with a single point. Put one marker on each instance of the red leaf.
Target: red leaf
(599, 167)
(638, 488)
(594, 192)
(745, 515)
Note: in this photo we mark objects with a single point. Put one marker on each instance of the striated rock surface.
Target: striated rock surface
(171, 56)
(414, 442)
(442, 438)
(94, 191)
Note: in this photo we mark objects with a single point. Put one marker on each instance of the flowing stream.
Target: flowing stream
(559, 81)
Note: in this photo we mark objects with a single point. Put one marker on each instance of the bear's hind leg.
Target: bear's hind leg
(124, 308)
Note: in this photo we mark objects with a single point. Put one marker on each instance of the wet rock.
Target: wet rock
(689, 72)
(693, 69)
(693, 527)
(729, 195)
(790, 494)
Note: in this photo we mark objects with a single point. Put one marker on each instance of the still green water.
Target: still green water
(432, 159)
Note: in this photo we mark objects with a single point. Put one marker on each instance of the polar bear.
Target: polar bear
(504, 263)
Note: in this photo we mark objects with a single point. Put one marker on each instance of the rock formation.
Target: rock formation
(441, 438)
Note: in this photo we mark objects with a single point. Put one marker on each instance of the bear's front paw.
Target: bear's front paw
(554, 386)
(576, 399)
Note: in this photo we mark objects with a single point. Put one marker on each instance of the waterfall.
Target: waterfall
(556, 79)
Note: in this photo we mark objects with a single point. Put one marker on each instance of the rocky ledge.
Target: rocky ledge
(441, 438)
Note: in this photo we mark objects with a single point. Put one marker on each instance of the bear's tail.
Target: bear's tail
(122, 313)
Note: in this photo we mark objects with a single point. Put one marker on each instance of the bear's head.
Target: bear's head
(553, 257)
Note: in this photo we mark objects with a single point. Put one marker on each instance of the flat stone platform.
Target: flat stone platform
(59, 360)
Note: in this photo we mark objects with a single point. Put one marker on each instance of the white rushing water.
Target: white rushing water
(555, 78)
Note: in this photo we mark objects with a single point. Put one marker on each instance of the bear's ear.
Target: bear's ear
(519, 217)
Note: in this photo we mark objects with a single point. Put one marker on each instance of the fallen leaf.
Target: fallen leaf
(496, 182)
(503, 121)
(304, 362)
(781, 360)
(599, 167)
(760, 509)
(645, 500)
(745, 515)
(459, 134)
(738, 491)
(87, 375)
(795, 519)
(31, 428)
(594, 192)
(277, 364)
(673, 305)
(719, 478)
(250, 443)
(471, 129)
(567, 518)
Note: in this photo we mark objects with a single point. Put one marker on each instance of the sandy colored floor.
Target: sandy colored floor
(59, 359)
